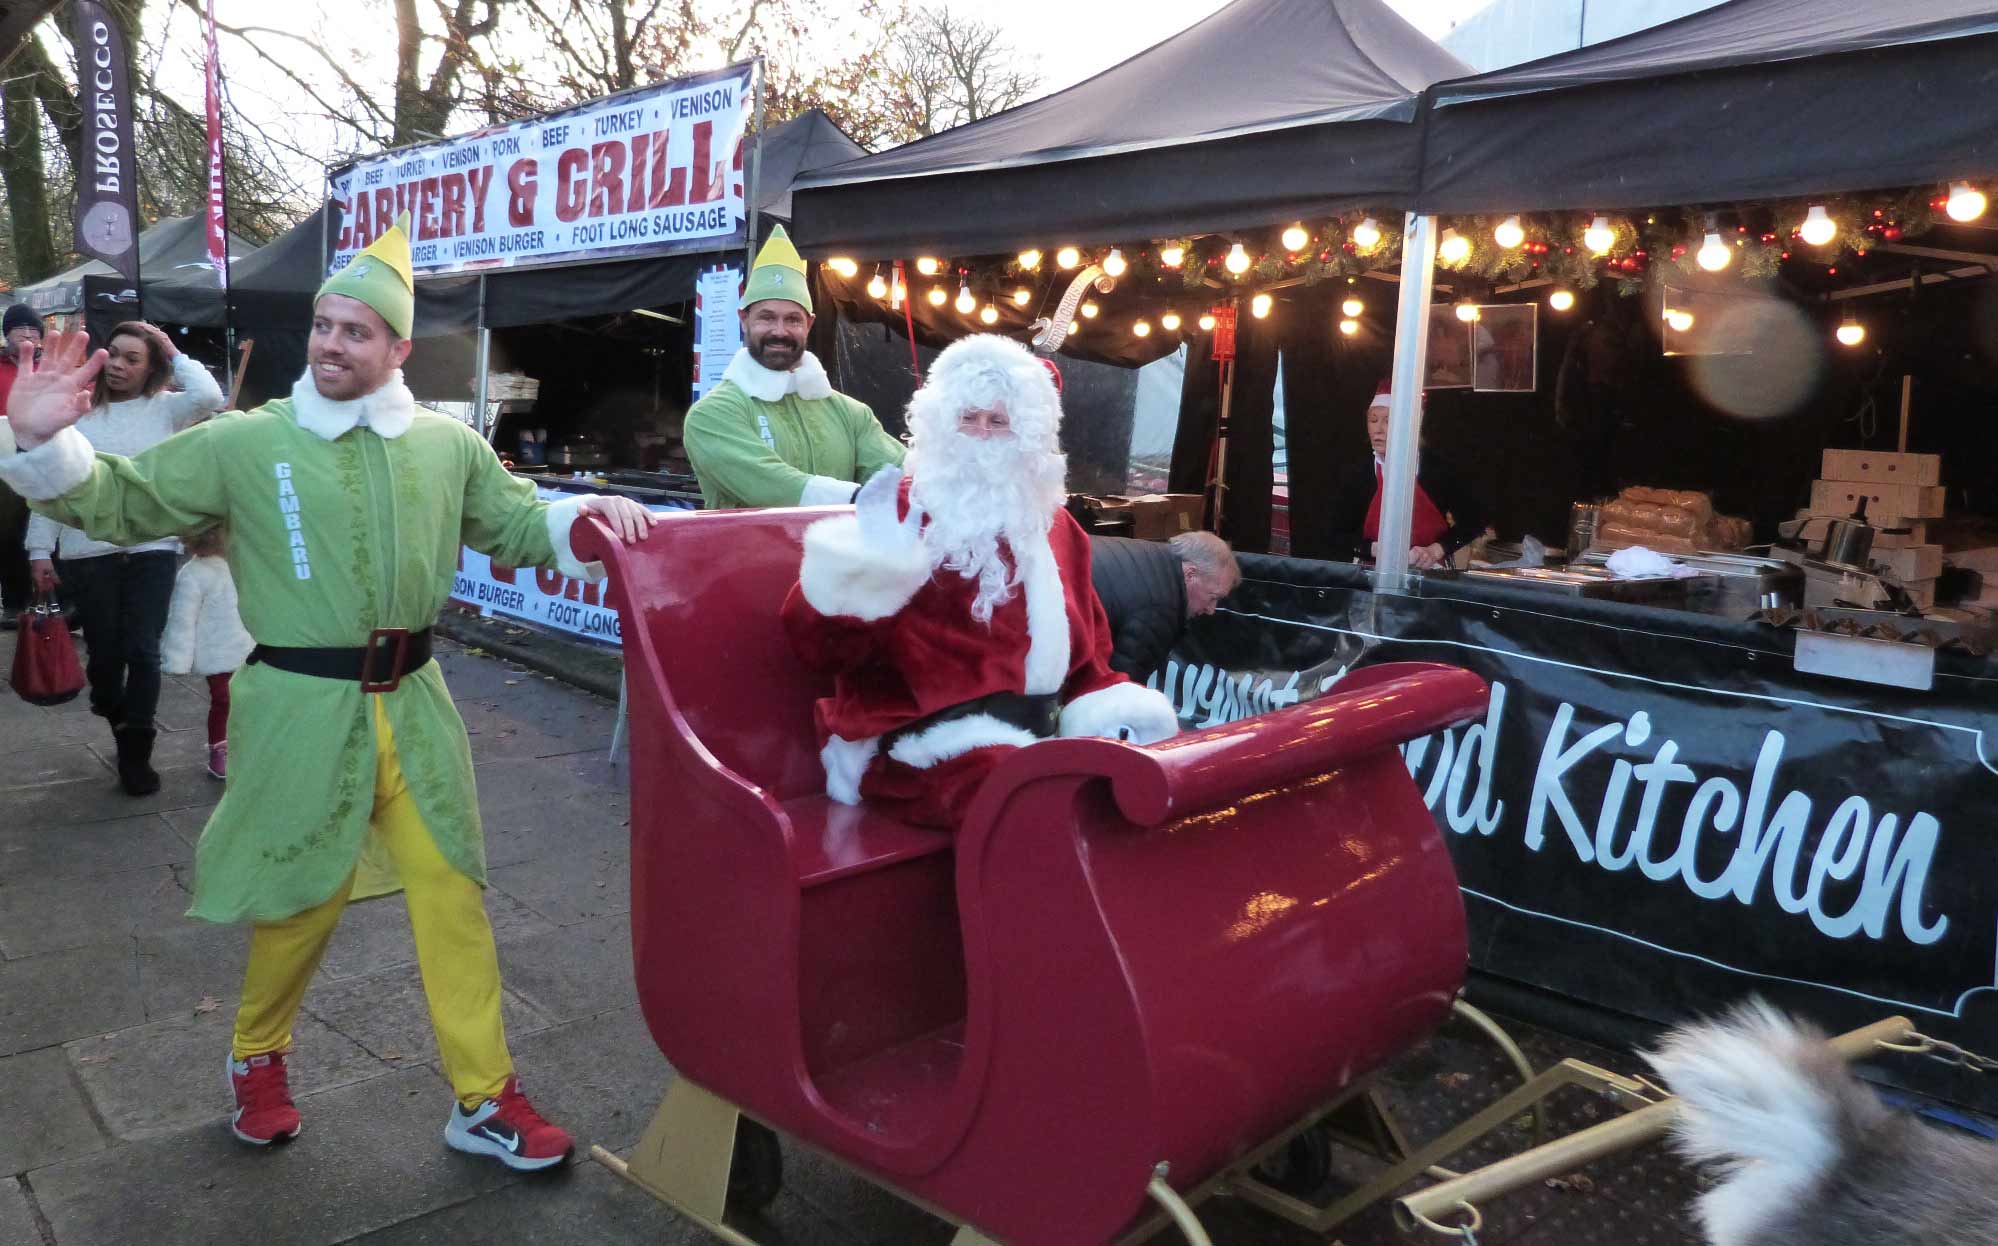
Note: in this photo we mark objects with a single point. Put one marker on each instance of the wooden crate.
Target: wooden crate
(1916, 562)
(1841, 497)
(1883, 467)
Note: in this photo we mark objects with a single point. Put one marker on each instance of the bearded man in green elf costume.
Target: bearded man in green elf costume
(345, 504)
(773, 432)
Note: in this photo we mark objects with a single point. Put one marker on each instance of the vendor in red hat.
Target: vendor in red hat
(1445, 520)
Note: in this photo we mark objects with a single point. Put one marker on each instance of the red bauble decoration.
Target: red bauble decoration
(1891, 233)
(1786, 255)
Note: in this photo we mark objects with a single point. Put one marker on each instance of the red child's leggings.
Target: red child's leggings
(218, 708)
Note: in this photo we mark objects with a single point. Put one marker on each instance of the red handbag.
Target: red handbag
(46, 671)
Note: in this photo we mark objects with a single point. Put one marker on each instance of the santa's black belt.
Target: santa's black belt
(379, 665)
(1038, 716)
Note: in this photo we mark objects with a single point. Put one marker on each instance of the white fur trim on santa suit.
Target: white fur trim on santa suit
(807, 380)
(827, 491)
(1122, 711)
(845, 761)
(955, 738)
(561, 516)
(843, 575)
(1047, 618)
(51, 469)
(388, 410)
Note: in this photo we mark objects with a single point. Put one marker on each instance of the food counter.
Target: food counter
(1665, 809)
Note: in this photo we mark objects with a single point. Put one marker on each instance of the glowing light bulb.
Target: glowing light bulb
(1173, 256)
(937, 296)
(1453, 248)
(1818, 229)
(1295, 238)
(1143, 328)
(1237, 261)
(843, 266)
(989, 314)
(877, 288)
(1170, 322)
(1678, 320)
(1074, 327)
(1367, 234)
(1467, 311)
(928, 265)
(965, 303)
(1966, 202)
(1089, 311)
(1113, 263)
(1561, 300)
(1259, 306)
(1022, 297)
(1067, 257)
(1349, 327)
(1352, 307)
(1509, 234)
(1206, 322)
(1851, 333)
(1714, 254)
(1599, 237)
(1029, 261)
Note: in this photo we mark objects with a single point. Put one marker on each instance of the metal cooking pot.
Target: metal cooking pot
(1849, 541)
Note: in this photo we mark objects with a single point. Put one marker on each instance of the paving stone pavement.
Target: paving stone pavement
(115, 1011)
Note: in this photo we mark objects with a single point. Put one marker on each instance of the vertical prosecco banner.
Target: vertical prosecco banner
(107, 183)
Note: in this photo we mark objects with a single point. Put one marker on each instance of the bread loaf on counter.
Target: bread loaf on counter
(1671, 521)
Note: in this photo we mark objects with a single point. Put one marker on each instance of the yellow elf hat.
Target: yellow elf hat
(381, 277)
(779, 273)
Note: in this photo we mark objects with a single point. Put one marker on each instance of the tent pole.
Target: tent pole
(481, 363)
(1411, 354)
(755, 188)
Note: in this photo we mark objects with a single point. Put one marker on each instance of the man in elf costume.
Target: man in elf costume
(955, 609)
(346, 504)
(774, 433)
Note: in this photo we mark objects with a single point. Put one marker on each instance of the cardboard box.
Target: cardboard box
(1916, 562)
(1890, 531)
(1883, 467)
(1841, 497)
(1161, 515)
(1922, 593)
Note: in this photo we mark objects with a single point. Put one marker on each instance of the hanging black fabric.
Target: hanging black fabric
(1245, 516)
(1328, 380)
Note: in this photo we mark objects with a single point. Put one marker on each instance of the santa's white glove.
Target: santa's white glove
(875, 510)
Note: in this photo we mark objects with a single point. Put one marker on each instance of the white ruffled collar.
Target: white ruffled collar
(388, 411)
(807, 380)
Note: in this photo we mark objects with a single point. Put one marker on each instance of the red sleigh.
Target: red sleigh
(1131, 970)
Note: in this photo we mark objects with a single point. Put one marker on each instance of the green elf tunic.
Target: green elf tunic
(343, 517)
(764, 438)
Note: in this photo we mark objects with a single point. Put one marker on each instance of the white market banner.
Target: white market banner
(538, 595)
(648, 171)
(717, 327)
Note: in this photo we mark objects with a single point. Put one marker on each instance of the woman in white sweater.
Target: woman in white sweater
(121, 593)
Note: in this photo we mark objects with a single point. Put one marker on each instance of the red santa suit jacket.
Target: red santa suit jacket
(902, 645)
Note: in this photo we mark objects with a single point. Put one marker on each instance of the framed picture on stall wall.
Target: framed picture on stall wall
(1506, 348)
(1449, 364)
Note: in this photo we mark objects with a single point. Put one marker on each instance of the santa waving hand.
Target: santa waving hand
(954, 607)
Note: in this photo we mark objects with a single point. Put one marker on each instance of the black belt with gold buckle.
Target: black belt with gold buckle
(379, 665)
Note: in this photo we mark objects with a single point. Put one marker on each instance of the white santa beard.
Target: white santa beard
(979, 493)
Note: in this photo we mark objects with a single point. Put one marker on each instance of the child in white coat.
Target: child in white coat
(205, 636)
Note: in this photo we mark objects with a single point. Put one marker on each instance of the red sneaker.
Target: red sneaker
(264, 1111)
(509, 1130)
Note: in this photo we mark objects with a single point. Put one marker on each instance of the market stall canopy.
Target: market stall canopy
(806, 142)
(538, 296)
(172, 246)
(272, 285)
(1749, 99)
(1269, 110)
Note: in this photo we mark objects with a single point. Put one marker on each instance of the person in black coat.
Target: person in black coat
(1150, 588)
(1446, 517)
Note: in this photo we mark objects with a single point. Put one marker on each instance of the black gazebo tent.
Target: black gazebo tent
(1749, 99)
(177, 245)
(1268, 110)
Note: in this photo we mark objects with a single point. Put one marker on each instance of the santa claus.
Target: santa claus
(954, 607)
